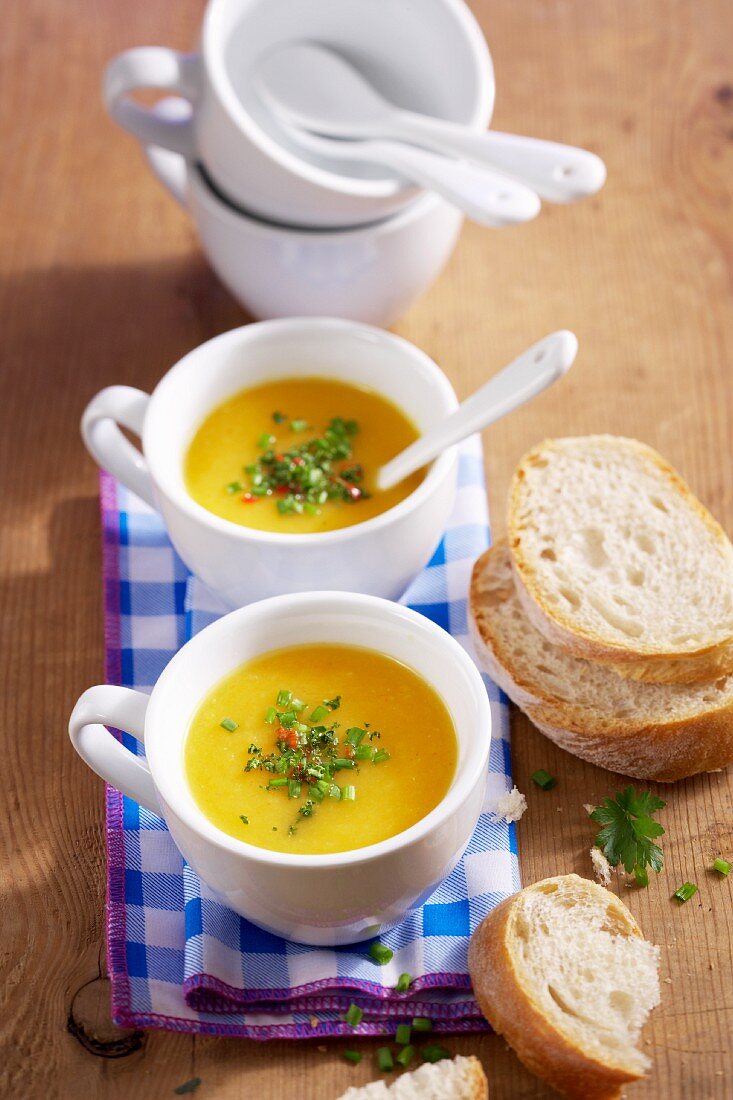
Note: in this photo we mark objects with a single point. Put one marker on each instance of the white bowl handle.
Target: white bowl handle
(124, 709)
(106, 443)
(153, 67)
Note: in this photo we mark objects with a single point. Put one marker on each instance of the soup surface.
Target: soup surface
(298, 455)
(320, 748)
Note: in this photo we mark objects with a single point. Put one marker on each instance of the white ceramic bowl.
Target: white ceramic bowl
(325, 899)
(429, 56)
(379, 556)
(369, 273)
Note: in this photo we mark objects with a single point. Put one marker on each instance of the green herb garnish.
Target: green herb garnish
(722, 866)
(348, 794)
(187, 1086)
(229, 724)
(353, 1056)
(243, 819)
(544, 780)
(402, 1034)
(422, 1023)
(380, 953)
(434, 1052)
(685, 891)
(628, 832)
(384, 1059)
(279, 417)
(299, 425)
(405, 1056)
(354, 1015)
(403, 983)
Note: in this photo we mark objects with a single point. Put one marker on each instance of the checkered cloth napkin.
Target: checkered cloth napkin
(179, 959)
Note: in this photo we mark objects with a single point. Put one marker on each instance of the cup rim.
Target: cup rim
(463, 782)
(437, 471)
(330, 181)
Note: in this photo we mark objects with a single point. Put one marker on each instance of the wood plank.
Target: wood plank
(102, 281)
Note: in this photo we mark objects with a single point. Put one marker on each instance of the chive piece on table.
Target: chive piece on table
(421, 1023)
(229, 724)
(353, 1056)
(380, 953)
(434, 1052)
(384, 1059)
(319, 714)
(187, 1086)
(354, 1015)
(348, 794)
(284, 697)
(270, 715)
(403, 983)
(721, 866)
(402, 1034)
(544, 780)
(405, 1056)
(685, 891)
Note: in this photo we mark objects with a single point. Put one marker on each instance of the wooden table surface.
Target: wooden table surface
(102, 282)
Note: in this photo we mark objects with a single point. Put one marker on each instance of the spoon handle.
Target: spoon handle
(558, 173)
(534, 370)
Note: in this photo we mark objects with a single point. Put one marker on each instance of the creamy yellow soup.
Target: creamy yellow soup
(228, 469)
(384, 757)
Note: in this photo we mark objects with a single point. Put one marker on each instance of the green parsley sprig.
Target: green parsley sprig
(628, 832)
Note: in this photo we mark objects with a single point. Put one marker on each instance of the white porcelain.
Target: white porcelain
(316, 88)
(324, 899)
(379, 556)
(429, 56)
(524, 378)
(370, 273)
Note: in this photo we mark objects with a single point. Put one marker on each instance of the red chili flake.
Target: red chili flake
(283, 489)
(298, 461)
(290, 737)
(278, 458)
(248, 498)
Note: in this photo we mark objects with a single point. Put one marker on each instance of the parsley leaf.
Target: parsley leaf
(628, 831)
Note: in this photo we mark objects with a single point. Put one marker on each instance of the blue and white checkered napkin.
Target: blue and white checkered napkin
(177, 957)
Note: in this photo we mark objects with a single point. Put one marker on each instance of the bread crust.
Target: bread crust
(633, 659)
(513, 1012)
(661, 751)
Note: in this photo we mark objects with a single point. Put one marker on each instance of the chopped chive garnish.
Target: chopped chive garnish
(405, 1056)
(265, 440)
(722, 866)
(342, 762)
(384, 1059)
(403, 983)
(229, 724)
(354, 1015)
(334, 791)
(544, 780)
(270, 715)
(284, 697)
(379, 756)
(685, 891)
(363, 752)
(380, 953)
(279, 417)
(402, 1034)
(353, 1056)
(243, 819)
(316, 794)
(297, 705)
(422, 1023)
(355, 735)
(287, 719)
(348, 794)
(434, 1052)
(234, 487)
(281, 781)
(299, 425)
(293, 788)
(187, 1086)
(319, 714)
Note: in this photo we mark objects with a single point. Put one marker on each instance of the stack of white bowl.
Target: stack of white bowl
(284, 232)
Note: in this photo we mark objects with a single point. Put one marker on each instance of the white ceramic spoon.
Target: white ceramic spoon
(311, 86)
(485, 195)
(530, 374)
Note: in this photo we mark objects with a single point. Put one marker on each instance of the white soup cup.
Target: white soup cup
(319, 899)
(240, 564)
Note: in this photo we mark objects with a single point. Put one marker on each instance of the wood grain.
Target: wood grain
(102, 281)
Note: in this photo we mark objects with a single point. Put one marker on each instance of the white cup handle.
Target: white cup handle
(153, 67)
(171, 170)
(108, 446)
(124, 709)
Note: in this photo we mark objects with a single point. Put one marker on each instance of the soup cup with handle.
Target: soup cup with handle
(367, 273)
(379, 556)
(319, 899)
(429, 56)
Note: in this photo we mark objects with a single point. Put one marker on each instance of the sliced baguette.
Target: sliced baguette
(562, 971)
(456, 1079)
(651, 731)
(617, 560)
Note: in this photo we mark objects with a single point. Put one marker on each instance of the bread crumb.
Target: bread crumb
(323, 1050)
(601, 866)
(588, 808)
(668, 981)
(314, 1021)
(510, 806)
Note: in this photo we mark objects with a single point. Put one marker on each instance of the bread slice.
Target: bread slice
(562, 971)
(456, 1079)
(651, 731)
(618, 562)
